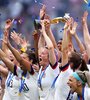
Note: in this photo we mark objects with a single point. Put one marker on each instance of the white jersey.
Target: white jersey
(61, 86)
(86, 94)
(49, 75)
(88, 65)
(11, 88)
(29, 91)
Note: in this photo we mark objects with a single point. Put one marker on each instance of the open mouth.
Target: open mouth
(70, 87)
(40, 59)
(12, 60)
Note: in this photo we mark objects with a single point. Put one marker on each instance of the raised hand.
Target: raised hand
(68, 24)
(84, 18)
(19, 40)
(16, 37)
(45, 23)
(73, 30)
(24, 43)
(42, 12)
(8, 24)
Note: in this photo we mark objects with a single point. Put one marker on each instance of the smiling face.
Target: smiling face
(73, 84)
(43, 56)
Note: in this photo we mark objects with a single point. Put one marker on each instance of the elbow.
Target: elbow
(50, 47)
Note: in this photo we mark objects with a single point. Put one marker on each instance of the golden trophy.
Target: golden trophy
(56, 20)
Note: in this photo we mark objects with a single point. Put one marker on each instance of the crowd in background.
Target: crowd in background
(28, 10)
(40, 61)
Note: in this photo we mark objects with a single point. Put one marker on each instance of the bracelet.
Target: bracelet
(23, 49)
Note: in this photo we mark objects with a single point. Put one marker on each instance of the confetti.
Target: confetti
(20, 21)
(33, 49)
(62, 30)
(86, 1)
(53, 7)
(15, 22)
(41, 3)
(89, 4)
(14, 29)
(77, 19)
(35, 1)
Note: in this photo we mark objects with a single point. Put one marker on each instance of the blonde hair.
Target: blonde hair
(85, 76)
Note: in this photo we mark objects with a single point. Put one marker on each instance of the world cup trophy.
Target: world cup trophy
(56, 20)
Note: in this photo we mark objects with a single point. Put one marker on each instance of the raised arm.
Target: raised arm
(26, 64)
(41, 41)
(36, 39)
(48, 28)
(52, 57)
(3, 70)
(7, 62)
(7, 27)
(86, 32)
(65, 45)
(73, 33)
(22, 42)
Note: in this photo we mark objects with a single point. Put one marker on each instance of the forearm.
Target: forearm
(81, 46)
(4, 46)
(65, 48)
(88, 50)
(86, 33)
(65, 40)
(86, 37)
(3, 70)
(52, 57)
(15, 52)
(7, 62)
(51, 36)
(69, 37)
(47, 40)
(36, 39)
(41, 42)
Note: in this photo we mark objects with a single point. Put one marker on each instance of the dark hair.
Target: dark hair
(78, 62)
(32, 56)
(59, 41)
